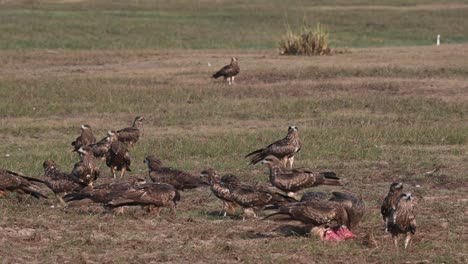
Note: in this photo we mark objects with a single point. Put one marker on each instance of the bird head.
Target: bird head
(212, 175)
(233, 59)
(406, 196)
(85, 127)
(84, 150)
(396, 186)
(292, 129)
(49, 164)
(112, 136)
(152, 162)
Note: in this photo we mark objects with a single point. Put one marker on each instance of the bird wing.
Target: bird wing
(128, 134)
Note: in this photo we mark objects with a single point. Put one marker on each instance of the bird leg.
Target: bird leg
(232, 79)
(113, 171)
(119, 210)
(228, 208)
(407, 239)
(122, 172)
(395, 242)
(249, 213)
(289, 162)
(60, 199)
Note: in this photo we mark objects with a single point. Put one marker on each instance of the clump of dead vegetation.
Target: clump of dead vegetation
(309, 41)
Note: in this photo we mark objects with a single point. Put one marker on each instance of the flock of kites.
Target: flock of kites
(331, 218)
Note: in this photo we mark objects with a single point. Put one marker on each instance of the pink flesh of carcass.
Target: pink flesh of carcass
(338, 233)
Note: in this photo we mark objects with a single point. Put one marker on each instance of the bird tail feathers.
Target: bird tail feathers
(330, 178)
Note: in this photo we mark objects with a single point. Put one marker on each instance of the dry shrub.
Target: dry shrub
(310, 41)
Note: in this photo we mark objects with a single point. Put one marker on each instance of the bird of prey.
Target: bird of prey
(11, 181)
(221, 191)
(130, 135)
(117, 159)
(390, 201)
(294, 180)
(179, 179)
(332, 219)
(284, 149)
(101, 148)
(403, 219)
(229, 71)
(86, 138)
(85, 169)
(59, 182)
(151, 196)
(254, 196)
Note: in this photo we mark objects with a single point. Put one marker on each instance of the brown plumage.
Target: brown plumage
(284, 149)
(85, 169)
(341, 212)
(252, 196)
(179, 179)
(86, 138)
(105, 193)
(101, 148)
(229, 71)
(294, 180)
(131, 135)
(222, 192)
(11, 181)
(314, 196)
(355, 208)
(403, 219)
(59, 182)
(118, 158)
(151, 196)
(390, 201)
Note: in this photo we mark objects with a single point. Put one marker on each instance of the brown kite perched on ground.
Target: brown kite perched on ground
(59, 182)
(179, 179)
(85, 169)
(293, 180)
(113, 195)
(221, 191)
(390, 201)
(86, 138)
(254, 196)
(229, 71)
(403, 219)
(117, 159)
(131, 135)
(284, 149)
(332, 219)
(11, 181)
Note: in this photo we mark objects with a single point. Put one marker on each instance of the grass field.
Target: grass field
(374, 115)
(148, 24)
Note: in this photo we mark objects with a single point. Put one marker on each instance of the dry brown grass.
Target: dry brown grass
(372, 115)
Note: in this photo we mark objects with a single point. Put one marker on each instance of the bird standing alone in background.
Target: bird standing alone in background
(229, 71)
